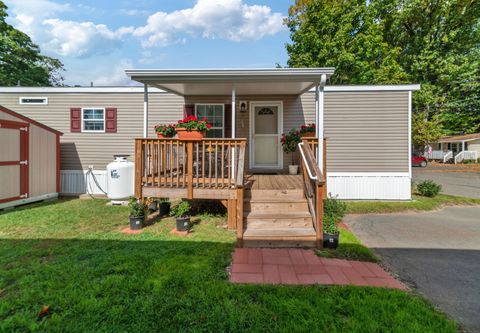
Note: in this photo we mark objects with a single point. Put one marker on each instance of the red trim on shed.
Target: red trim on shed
(29, 120)
(9, 199)
(24, 156)
(11, 124)
(58, 163)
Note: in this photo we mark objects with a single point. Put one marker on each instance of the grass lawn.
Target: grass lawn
(72, 257)
(418, 203)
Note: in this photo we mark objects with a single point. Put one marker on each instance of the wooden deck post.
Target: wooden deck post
(239, 214)
(319, 214)
(138, 168)
(232, 214)
(190, 170)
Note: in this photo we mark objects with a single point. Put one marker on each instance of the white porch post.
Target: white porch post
(463, 145)
(145, 110)
(319, 108)
(233, 116)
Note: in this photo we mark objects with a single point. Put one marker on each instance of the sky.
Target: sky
(98, 40)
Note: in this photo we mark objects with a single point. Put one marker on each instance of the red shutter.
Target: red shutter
(228, 120)
(75, 120)
(111, 120)
(188, 110)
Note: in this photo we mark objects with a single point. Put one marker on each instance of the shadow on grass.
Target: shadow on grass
(113, 285)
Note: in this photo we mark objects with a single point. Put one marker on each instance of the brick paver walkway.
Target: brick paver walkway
(298, 266)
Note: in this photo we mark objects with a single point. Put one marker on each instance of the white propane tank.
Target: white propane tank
(120, 178)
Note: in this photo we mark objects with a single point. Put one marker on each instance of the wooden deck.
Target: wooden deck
(264, 209)
(273, 182)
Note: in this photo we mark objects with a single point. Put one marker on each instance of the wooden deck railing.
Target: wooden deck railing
(175, 164)
(315, 187)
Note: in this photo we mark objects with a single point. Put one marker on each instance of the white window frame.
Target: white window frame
(45, 100)
(223, 115)
(83, 120)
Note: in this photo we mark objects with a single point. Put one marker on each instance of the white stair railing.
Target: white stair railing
(470, 155)
(447, 156)
(459, 157)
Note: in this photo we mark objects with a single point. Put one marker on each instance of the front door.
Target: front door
(266, 124)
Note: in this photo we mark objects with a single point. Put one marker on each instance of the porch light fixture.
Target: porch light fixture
(243, 106)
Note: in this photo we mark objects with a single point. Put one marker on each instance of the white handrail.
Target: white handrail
(447, 156)
(459, 157)
(300, 147)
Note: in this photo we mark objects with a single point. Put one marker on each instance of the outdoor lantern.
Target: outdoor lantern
(243, 107)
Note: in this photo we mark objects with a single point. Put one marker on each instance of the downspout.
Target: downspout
(320, 98)
(145, 110)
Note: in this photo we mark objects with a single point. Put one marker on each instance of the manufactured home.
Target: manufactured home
(361, 149)
(456, 148)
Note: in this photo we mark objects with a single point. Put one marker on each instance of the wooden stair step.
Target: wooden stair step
(287, 215)
(280, 233)
(276, 207)
(273, 194)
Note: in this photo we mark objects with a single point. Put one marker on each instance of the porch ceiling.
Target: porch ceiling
(276, 81)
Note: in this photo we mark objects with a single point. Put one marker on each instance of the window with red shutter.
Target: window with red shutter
(75, 119)
(228, 120)
(111, 120)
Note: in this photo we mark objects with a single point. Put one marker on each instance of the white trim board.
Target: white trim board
(139, 89)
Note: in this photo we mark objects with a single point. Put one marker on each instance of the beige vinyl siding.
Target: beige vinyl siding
(79, 150)
(474, 146)
(367, 131)
(42, 161)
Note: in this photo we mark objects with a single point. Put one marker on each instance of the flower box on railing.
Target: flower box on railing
(194, 135)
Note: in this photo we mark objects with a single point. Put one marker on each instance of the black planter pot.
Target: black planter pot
(164, 208)
(330, 241)
(183, 223)
(136, 223)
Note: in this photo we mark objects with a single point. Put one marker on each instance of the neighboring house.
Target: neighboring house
(367, 127)
(456, 148)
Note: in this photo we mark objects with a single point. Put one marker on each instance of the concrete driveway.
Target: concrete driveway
(454, 180)
(436, 253)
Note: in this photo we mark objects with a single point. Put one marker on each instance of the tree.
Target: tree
(432, 42)
(21, 60)
(425, 129)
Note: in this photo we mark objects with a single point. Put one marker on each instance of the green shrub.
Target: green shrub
(330, 224)
(334, 208)
(137, 208)
(428, 188)
(181, 210)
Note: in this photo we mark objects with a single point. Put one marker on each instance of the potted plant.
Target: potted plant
(181, 213)
(164, 206)
(137, 213)
(307, 130)
(190, 128)
(331, 235)
(333, 212)
(165, 131)
(289, 142)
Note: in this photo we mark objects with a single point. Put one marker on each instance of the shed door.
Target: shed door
(13, 160)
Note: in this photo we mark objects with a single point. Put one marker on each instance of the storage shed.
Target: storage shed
(29, 160)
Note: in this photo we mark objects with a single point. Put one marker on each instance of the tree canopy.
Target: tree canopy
(21, 60)
(432, 42)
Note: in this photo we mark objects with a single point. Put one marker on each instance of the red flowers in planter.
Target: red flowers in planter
(165, 131)
(191, 123)
(307, 130)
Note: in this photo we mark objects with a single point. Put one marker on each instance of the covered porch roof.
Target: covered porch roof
(460, 138)
(274, 81)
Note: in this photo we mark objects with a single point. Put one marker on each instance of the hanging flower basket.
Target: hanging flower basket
(192, 129)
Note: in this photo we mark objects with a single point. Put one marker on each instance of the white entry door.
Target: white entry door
(266, 124)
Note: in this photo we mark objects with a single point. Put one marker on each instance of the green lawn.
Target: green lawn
(71, 256)
(418, 203)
